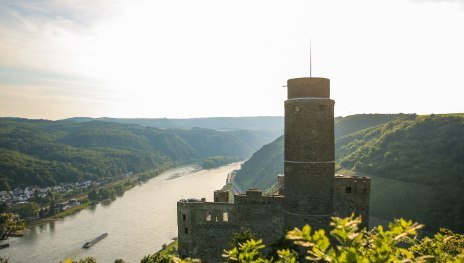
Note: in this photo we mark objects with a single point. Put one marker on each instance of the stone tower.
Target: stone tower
(312, 191)
(309, 153)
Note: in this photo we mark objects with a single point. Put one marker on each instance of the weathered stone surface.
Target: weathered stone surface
(221, 196)
(312, 194)
(309, 188)
(309, 130)
(205, 228)
(351, 195)
(308, 87)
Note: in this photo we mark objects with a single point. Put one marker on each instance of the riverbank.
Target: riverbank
(151, 205)
(169, 249)
(127, 183)
(60, 215)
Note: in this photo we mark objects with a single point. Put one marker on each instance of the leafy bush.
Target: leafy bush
(348, 243)
(10, 223)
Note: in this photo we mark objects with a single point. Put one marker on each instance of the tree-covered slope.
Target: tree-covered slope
(44, 152)
(416, 165)
(262, 168)
(428, 150)
(354, 123)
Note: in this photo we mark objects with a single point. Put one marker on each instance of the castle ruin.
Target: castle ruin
(312, 193)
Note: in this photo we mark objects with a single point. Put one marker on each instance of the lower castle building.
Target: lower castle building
(311, 192)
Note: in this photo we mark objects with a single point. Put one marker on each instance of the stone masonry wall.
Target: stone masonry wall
(205, 228)
(351, 195)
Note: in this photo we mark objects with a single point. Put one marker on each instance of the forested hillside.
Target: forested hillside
(416, 164)
(262, 169)
(41, 152)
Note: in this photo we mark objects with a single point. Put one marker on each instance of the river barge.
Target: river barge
(4, 245)
(91, 243)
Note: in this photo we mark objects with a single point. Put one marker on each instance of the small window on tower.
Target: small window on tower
(208, 216)
(186, 230)
(225, 217)
(348, 189)
(296, 109)
(184, 217)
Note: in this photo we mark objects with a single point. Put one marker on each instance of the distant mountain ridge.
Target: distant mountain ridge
(260, 123)
(416, 164)
(42, 152)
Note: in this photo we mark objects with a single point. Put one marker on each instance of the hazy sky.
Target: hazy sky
(184, 58)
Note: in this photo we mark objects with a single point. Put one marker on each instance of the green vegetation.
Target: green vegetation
(427, 150)
(345, 242)
(109, 191)
(425, 154)
(216, 161)
(262, 168)
(29, 209)
(358, 122)
(348, 243)
(170, 249)
(44, 153)
(400, 153)
(10, 223)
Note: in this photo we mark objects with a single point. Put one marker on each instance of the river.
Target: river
(138, 223)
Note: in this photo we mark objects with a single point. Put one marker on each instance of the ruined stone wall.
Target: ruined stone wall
(261, 214)
(221, 196)
(205, 229)
(351, 194)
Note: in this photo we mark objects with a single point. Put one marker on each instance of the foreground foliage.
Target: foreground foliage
(345, 243)
(348, 243)
(10, 223)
